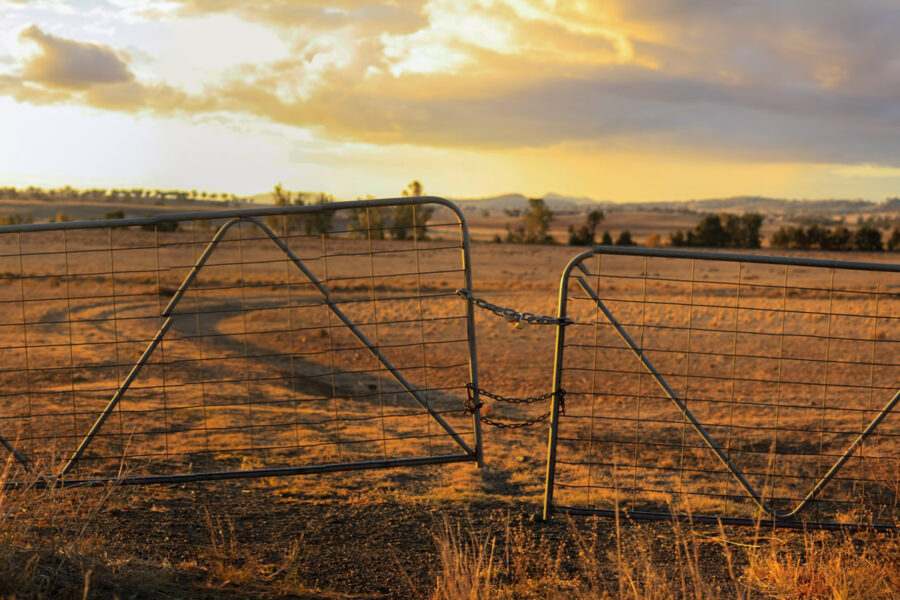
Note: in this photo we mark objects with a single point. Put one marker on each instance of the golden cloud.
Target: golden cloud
(69, 71)
(376, 16)
(69, 64)
(803, 81)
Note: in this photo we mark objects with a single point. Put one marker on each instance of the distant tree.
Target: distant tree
(867, 238)
(515, 236)
(535, 224)
(653, 241)
(709, 233)
(893, 243)
(414, 189)
(286, 223)
(114, 214)
(167, 227)
(16, 219)
(864, 237)
(369, 223)
(578, 237)
(816, 236)
(606, 240)
(319, 221)
(838, 239)
(624, 239)
(585, 235)
(410, 221)
(737, 231)
(789, 238)
(743, 230)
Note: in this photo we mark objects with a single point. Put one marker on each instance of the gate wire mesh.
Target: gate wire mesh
(739, 388)
(225, 344)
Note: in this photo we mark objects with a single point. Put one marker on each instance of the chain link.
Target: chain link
(471, 407)
(511, 315)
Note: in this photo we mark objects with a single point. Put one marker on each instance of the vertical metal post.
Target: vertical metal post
(470, 334)
(557, 383)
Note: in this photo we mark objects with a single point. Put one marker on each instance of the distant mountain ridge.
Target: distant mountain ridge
(734, 204)
(503, 201)
(738, 204)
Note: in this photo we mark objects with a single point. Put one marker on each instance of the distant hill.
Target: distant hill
(789, 208)
(737, 204)
(761, 204)
(504, 201)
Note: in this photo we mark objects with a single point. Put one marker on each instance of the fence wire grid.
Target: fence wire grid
(236, 343)
(727, 387)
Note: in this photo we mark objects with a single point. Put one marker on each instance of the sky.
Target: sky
(617, 100)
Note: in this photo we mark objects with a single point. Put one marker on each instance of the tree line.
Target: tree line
(722, 231)
(534, 227)
(399, 222)
(742, 231)
(404, 222)
(815, 237)
(112, 194)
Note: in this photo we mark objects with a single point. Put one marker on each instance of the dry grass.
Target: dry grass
(61, 543)
(467, 565)
(828, 567)
(681, 563)
(48, 547)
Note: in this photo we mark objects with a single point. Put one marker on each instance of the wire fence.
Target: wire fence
(228, 344)
(733, 387)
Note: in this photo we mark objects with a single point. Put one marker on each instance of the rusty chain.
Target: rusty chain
(512, 315)
(471, 406)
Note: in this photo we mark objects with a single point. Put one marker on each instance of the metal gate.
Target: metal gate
(739, 388)
(236, 343)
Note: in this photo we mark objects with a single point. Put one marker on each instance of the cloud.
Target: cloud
(69, 71)
(70, 64)
(363, 15)
(814, 81)
(625, 109)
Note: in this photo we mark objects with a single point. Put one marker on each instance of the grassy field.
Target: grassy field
(255, 372)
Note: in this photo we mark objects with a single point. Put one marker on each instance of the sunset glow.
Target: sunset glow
(622, 101)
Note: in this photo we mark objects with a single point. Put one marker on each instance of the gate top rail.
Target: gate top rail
(147, 313)
(766, 259)
(867, 427)
(235, 214)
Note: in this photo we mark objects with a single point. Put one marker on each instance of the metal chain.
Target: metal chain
(511, 315)
(471, 407)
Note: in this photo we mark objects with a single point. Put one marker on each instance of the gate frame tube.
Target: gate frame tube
(773, 519)
(253, 215)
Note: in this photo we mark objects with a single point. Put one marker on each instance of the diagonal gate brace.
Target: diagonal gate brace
(169, 320)
(711, 443)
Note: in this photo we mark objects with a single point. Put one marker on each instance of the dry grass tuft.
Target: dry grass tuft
(639, 563)
(467, 565)
(820, 566)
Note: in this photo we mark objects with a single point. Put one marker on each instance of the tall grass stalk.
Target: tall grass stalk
(467, 565)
